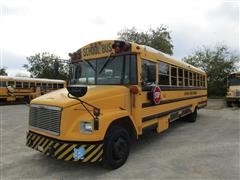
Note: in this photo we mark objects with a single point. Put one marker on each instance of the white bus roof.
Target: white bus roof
(175, 61)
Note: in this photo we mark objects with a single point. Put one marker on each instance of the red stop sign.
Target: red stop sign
(156, 91)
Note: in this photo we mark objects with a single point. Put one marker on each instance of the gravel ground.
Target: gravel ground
(207, 149)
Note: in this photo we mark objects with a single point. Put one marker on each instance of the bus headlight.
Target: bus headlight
(86, 127)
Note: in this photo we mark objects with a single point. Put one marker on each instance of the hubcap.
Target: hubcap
(120, 148)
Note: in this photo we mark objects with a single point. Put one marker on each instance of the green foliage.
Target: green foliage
(3, 71)
(218, 63)
(46, 65)
(159, 39)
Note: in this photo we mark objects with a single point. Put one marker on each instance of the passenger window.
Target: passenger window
(50, 85)
(173, 76)
(60, 85)
(163, 73)
(194, 79)
(186, 77)
(54, 86)
(25, 85)
(190, 79)
(203, 82)
(3, 84)
(32, 84)
(11, 83)
(180, 77)
(38, 84)
(18, 84)
(199, 80)
(148, 72)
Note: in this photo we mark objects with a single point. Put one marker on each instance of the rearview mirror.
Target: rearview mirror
(77, 90)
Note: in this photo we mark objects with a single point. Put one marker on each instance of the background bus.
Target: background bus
(23, 88)
(233, 92)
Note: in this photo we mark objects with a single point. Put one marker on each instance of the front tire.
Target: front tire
(116, 148)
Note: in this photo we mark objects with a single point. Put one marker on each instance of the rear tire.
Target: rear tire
(116, 148)
(193, 116)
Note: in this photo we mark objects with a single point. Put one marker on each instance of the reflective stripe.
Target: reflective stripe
(92, 154)
(67, 151)
(97, 156)
(59, 149)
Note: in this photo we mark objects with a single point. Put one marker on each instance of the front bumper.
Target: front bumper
(64, 150)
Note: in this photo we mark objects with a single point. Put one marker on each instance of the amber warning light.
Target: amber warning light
(121, 46)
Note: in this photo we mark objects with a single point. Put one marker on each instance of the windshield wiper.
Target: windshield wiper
(87, 62)
(109, 59)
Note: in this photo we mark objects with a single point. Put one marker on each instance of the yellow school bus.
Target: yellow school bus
(117, 92)
(24, 88)
(233, 93)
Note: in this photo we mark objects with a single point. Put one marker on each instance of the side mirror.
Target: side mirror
(152, 73)
(77, 91)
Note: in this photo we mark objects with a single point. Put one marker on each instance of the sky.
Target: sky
(28, 27)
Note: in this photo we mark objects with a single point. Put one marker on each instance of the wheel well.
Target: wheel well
(126, 123)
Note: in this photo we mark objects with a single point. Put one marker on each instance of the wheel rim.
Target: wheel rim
(120, 149)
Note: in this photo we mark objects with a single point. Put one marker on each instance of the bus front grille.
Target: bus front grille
(45, 118)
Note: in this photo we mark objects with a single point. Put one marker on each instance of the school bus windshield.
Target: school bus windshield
(114, 70)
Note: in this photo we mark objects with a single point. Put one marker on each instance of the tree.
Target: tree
(46, 65)
(218, 63)
(159, 39)
(3, 71)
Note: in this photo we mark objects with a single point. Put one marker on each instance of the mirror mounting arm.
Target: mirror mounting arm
(94, 115)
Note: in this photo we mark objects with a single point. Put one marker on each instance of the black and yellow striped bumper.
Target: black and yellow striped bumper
(68, 151)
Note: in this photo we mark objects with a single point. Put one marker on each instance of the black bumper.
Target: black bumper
(64, 150)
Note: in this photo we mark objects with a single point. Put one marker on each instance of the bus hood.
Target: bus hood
(96, 95)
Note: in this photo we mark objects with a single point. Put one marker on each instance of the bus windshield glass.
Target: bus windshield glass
(233, 80)
(114, 70)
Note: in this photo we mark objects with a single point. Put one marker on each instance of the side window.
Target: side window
(50, 85)
(173, 76)
(194, 79)
(186, 77)
(54, 86)
(3, 84)
(163, 73)
(44, 85)
(60, 85)
(26, 85)
(18, 84)
(198, 77)
(190, 79)
(180, 77)
(38, 84)
(11, 83)
(203, 82)
(32, 84)
(200, 80)
(148, 72)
